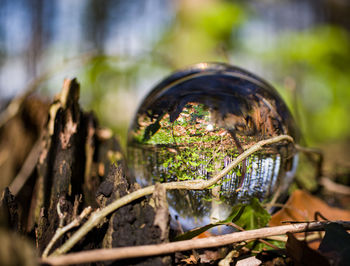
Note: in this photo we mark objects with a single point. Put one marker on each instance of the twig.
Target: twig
(61, 216)
(311, 237)
(62, 230)
(166, 248)
(77, 200)
(97, 216)
(334, 187)
(274, 199)
(260, 240)
(27, 168)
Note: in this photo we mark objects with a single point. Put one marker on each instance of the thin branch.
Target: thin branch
(62, 230)
(27, 168)
(77, 201)
(97, 216)
(334, 187)
(260, 240)
(61, 216)
(311, 237)
(166, 248)
(274, 199)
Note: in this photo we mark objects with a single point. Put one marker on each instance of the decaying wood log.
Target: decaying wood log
(75, 164)
(74, 158)
(141, 222)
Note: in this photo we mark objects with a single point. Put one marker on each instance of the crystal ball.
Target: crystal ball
(198, 120)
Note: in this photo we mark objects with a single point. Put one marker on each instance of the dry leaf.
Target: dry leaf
(302, 206)
(190, 260)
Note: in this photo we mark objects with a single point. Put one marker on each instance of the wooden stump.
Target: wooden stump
(77, 164)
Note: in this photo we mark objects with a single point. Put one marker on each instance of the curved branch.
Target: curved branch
(97, 216)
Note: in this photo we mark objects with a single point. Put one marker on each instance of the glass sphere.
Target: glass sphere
(198, 120)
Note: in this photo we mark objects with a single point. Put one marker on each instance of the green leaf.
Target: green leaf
(194, 164)
(248, 216)
(259, 246)
(193, 233)
(254, 216)
(235, 215)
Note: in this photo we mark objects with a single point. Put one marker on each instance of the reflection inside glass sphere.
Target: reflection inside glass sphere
(198, 120)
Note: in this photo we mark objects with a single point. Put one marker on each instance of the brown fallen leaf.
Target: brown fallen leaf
(191, 260)
(302, 206)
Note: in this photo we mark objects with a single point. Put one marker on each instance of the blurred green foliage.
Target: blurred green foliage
(254, 216)
(309, 67)
(202, 32)
(314, 66)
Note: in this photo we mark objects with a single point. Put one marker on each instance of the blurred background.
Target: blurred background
(119, 50)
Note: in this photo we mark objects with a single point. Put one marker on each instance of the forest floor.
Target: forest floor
(68, 198)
